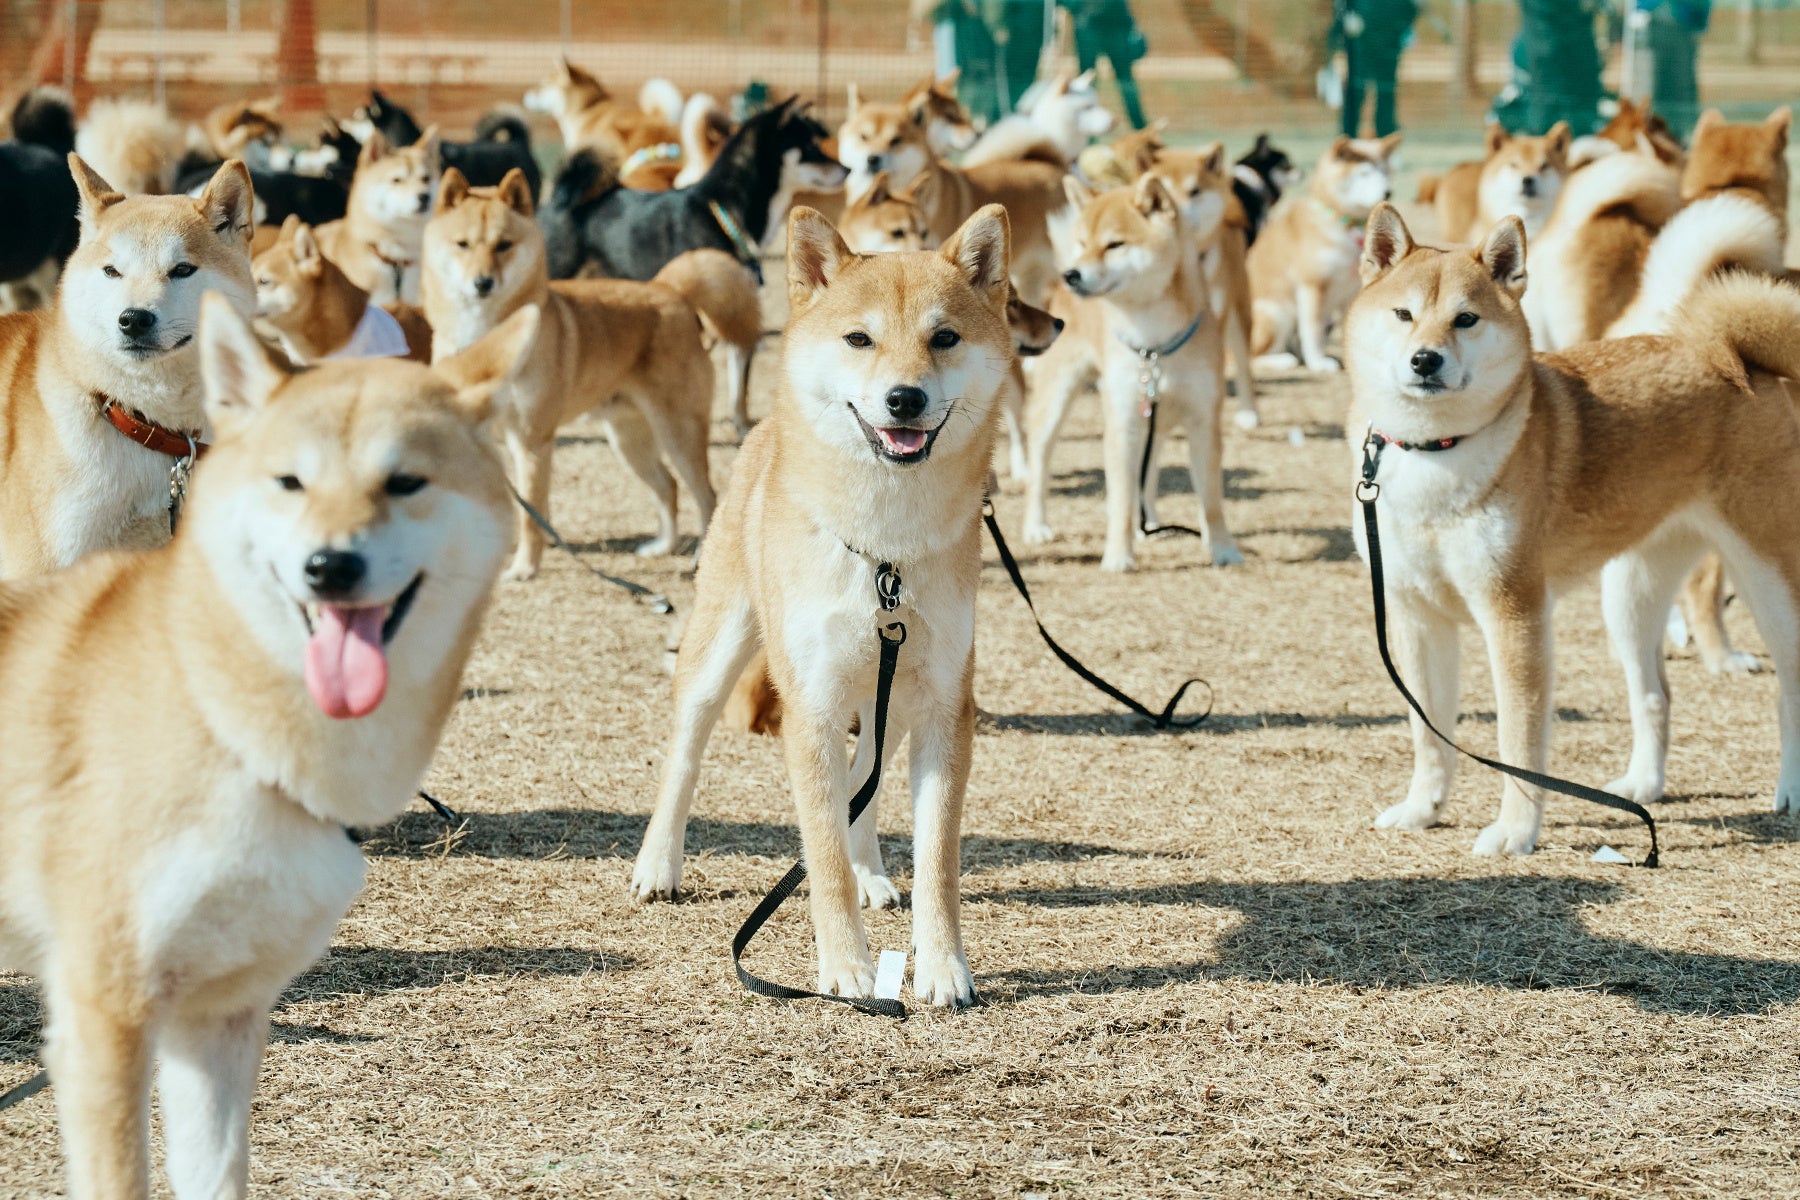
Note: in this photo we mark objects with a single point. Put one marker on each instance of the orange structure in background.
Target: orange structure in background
(297, 59)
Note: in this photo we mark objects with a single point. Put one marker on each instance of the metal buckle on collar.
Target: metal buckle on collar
(179, 471)
(1367, 490)
(887, 586)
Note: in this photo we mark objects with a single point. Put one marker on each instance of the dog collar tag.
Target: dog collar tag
(890, 974)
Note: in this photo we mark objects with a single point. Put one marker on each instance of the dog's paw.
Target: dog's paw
(944, 980)
(1037, 533)
(1017, 468)
(1324, 365)
(852, 977)
(655, 546)
(1507, 837)
(1410, 815)
(655, 877)
(1118, 560)
(1227, 555)
(876, 891)
(521, 572)
(1277, 362)
(1647, 790)
(1787, 798)
(1676, 629)
(1247, 418)
(1736, 663)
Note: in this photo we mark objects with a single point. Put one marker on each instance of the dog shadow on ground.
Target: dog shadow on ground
(1511, 932)
(1172, 480)
(355, 971)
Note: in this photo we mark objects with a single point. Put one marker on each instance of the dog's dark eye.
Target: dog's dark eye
(1466, 320)
(182, 270)
(265, 283)
(897, 234)
(943, 339)
(462, 244)
(1193, 192)
(502, 247)
(290, 483)
(1405, 314)
(110, 272)
(403, 485)
(1111, 246)
(859, 339)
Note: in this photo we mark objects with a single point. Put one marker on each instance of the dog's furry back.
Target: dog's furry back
(1706, 237)
(132, 143)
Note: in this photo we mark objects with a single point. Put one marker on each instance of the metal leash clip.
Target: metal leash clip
(178, 479)
(1367, 490)
(1149, 379)
(887, 586)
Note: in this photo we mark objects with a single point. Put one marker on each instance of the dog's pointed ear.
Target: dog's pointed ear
(373, 150)
(330, 128)
(240, 372)
(1341, 148)
(478, 372)
(851, 100)
(229, 202)
(289, 226)
(1212, 159)
(923, 191)
(515, 189)
(947, 83)
(1078, 194)
(880, 191)
(1386, 241)
(1503, 254)
(1083, 82)
(1151, 196)
(309, 260)
(815, 255)
(432, 145)
(1391, 143)
(1060, 85)
(1495, 139)
(1712, 118)
(1556, 142)
(1777, 123)
(453, 188)
(982, 251)
(97, 195)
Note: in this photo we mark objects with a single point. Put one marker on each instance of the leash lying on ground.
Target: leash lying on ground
(1165, 719)
(887, 592)
(1149, 389)
(1367, 492)
(656, 601)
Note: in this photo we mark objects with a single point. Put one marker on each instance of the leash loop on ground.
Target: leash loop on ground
(25, 1091)
(1165, 719)
(1367, 491)
(655, 601)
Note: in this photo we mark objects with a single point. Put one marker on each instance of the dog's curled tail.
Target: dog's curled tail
(45, 116)
(1014, 139)
(503, 123)
(133, 144)
(1640, 185)
(1706, 237)
(1755, 320)
(1428, 188)
(722, 291)
(659, 97)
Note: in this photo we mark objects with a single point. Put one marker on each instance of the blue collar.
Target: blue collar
(1173, 344)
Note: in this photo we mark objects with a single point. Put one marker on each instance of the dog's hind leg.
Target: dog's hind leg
(1636, 590)
(531, 476)
(635, 445)
(1310, 316)
(872, 883)
(1427, 652)
(1768, 578)
(1052, 387)
(100, 1062)
(1237, 345)
(1703, 606)
(1516, 625)
(206, 1081)
(717, 645)
(737, 385)
(942, 744)
(1206, 464)
(683, 432)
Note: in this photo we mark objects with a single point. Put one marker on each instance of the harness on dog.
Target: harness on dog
(644, 156)
(1149, 389)
(740, 241)
(891, 636)
(179, 445)
(1367, 492)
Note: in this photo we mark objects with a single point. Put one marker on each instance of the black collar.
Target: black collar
(1430, 447)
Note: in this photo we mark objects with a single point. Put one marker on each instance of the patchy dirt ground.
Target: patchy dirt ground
(1204, 972)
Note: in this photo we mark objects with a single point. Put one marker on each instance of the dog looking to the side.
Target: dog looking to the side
(1507, 477)
(190, 730)
(877, 451)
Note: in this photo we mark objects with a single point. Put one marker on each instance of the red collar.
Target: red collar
(1432, 446)
(148, 433)
(399, 264)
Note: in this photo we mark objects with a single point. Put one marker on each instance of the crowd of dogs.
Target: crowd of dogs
(375, 339)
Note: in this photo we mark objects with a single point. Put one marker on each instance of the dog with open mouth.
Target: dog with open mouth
(876, 455)
(100, 393)
(190, 731)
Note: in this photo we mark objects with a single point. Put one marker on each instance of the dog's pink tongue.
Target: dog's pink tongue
(346, 666)
(903, 441)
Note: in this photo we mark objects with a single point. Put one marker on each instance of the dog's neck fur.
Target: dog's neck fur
(327, 321)
(166, 389)
(1148, 322)
(458, 323)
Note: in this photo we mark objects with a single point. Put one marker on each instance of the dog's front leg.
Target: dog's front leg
(1517, 628)
(531, 476)
(100, 1062)
(207, 1079)
(1309, 304)
(1425, 646)
(1125, 434)
(942, 742)
(872, 882)
(1053, 381)
(818, 773)
(1206, 464)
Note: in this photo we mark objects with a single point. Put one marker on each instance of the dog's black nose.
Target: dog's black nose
(874, 162)
(1072, 278)
(905, 403)
(1425, 363)
(335, 572)
(1058, 322)
(137, 322)
(1529, 185)
(484, 284)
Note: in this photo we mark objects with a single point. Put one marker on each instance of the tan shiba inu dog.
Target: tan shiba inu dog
(948, 129)
(134, 143)
(877, 452)
(243, 128)
(588, 115)
(377, 242)
(320, 313)
(1519, 177)
(87, 386)
(900, 138)
(1055, 124)
(629, 352)
(1140, 310)
(1748, 158)
(1303, 265)
(1508, 477)
(883, 219)
(190, 730)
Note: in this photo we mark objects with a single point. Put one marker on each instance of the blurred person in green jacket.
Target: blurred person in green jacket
(1373, 34)
(1106, 29)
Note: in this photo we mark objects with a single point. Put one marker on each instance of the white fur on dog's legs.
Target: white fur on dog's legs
(1047, 405)
(1206, 467)
(1310, 315)
(1237, 345)
(819, 774)
(531, 476)
(737, 386)
(941, 747)
(207, 1078)
(636, 448)
(1518, 640)
(721, 640)
(1428, 653)
(1636, 591)
(873, 886)
(687, 455)
(1773, 592)
(1123, 441)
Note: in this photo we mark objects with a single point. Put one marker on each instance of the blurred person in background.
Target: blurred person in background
(1558, 68)
(1106, 29)
(997, 44)
(1373, 34)
(1672, 34)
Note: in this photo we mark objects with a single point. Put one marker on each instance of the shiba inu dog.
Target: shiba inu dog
(1029, 190)
(1633, 127)
(1303, 266)
(876, 453)
(190, 731)
(134, 143)
(89, 386)
(1055, 124)
(1507, 477)
(232, 130)
(629, 352)
(1519, 176)
(590, 117)
(948, 129)
(377, 242)
(900, 138)
(1748, 159)
(320, 313)
(1141, 324)
(882, 219)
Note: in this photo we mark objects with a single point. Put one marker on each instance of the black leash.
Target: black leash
(443, 810)
(1161, 720)
(1143, 513)
(1367, 492)
(656, 601)
(25, 1091)
(887, 589)
(1149, 389)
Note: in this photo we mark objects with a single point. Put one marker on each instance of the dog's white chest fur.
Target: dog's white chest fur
(116, 493)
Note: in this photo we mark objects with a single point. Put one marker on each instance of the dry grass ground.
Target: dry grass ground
(1204, 972)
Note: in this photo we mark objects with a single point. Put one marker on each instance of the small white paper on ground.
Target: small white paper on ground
(890, 974)
(1605, 854)
(1296, 437)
